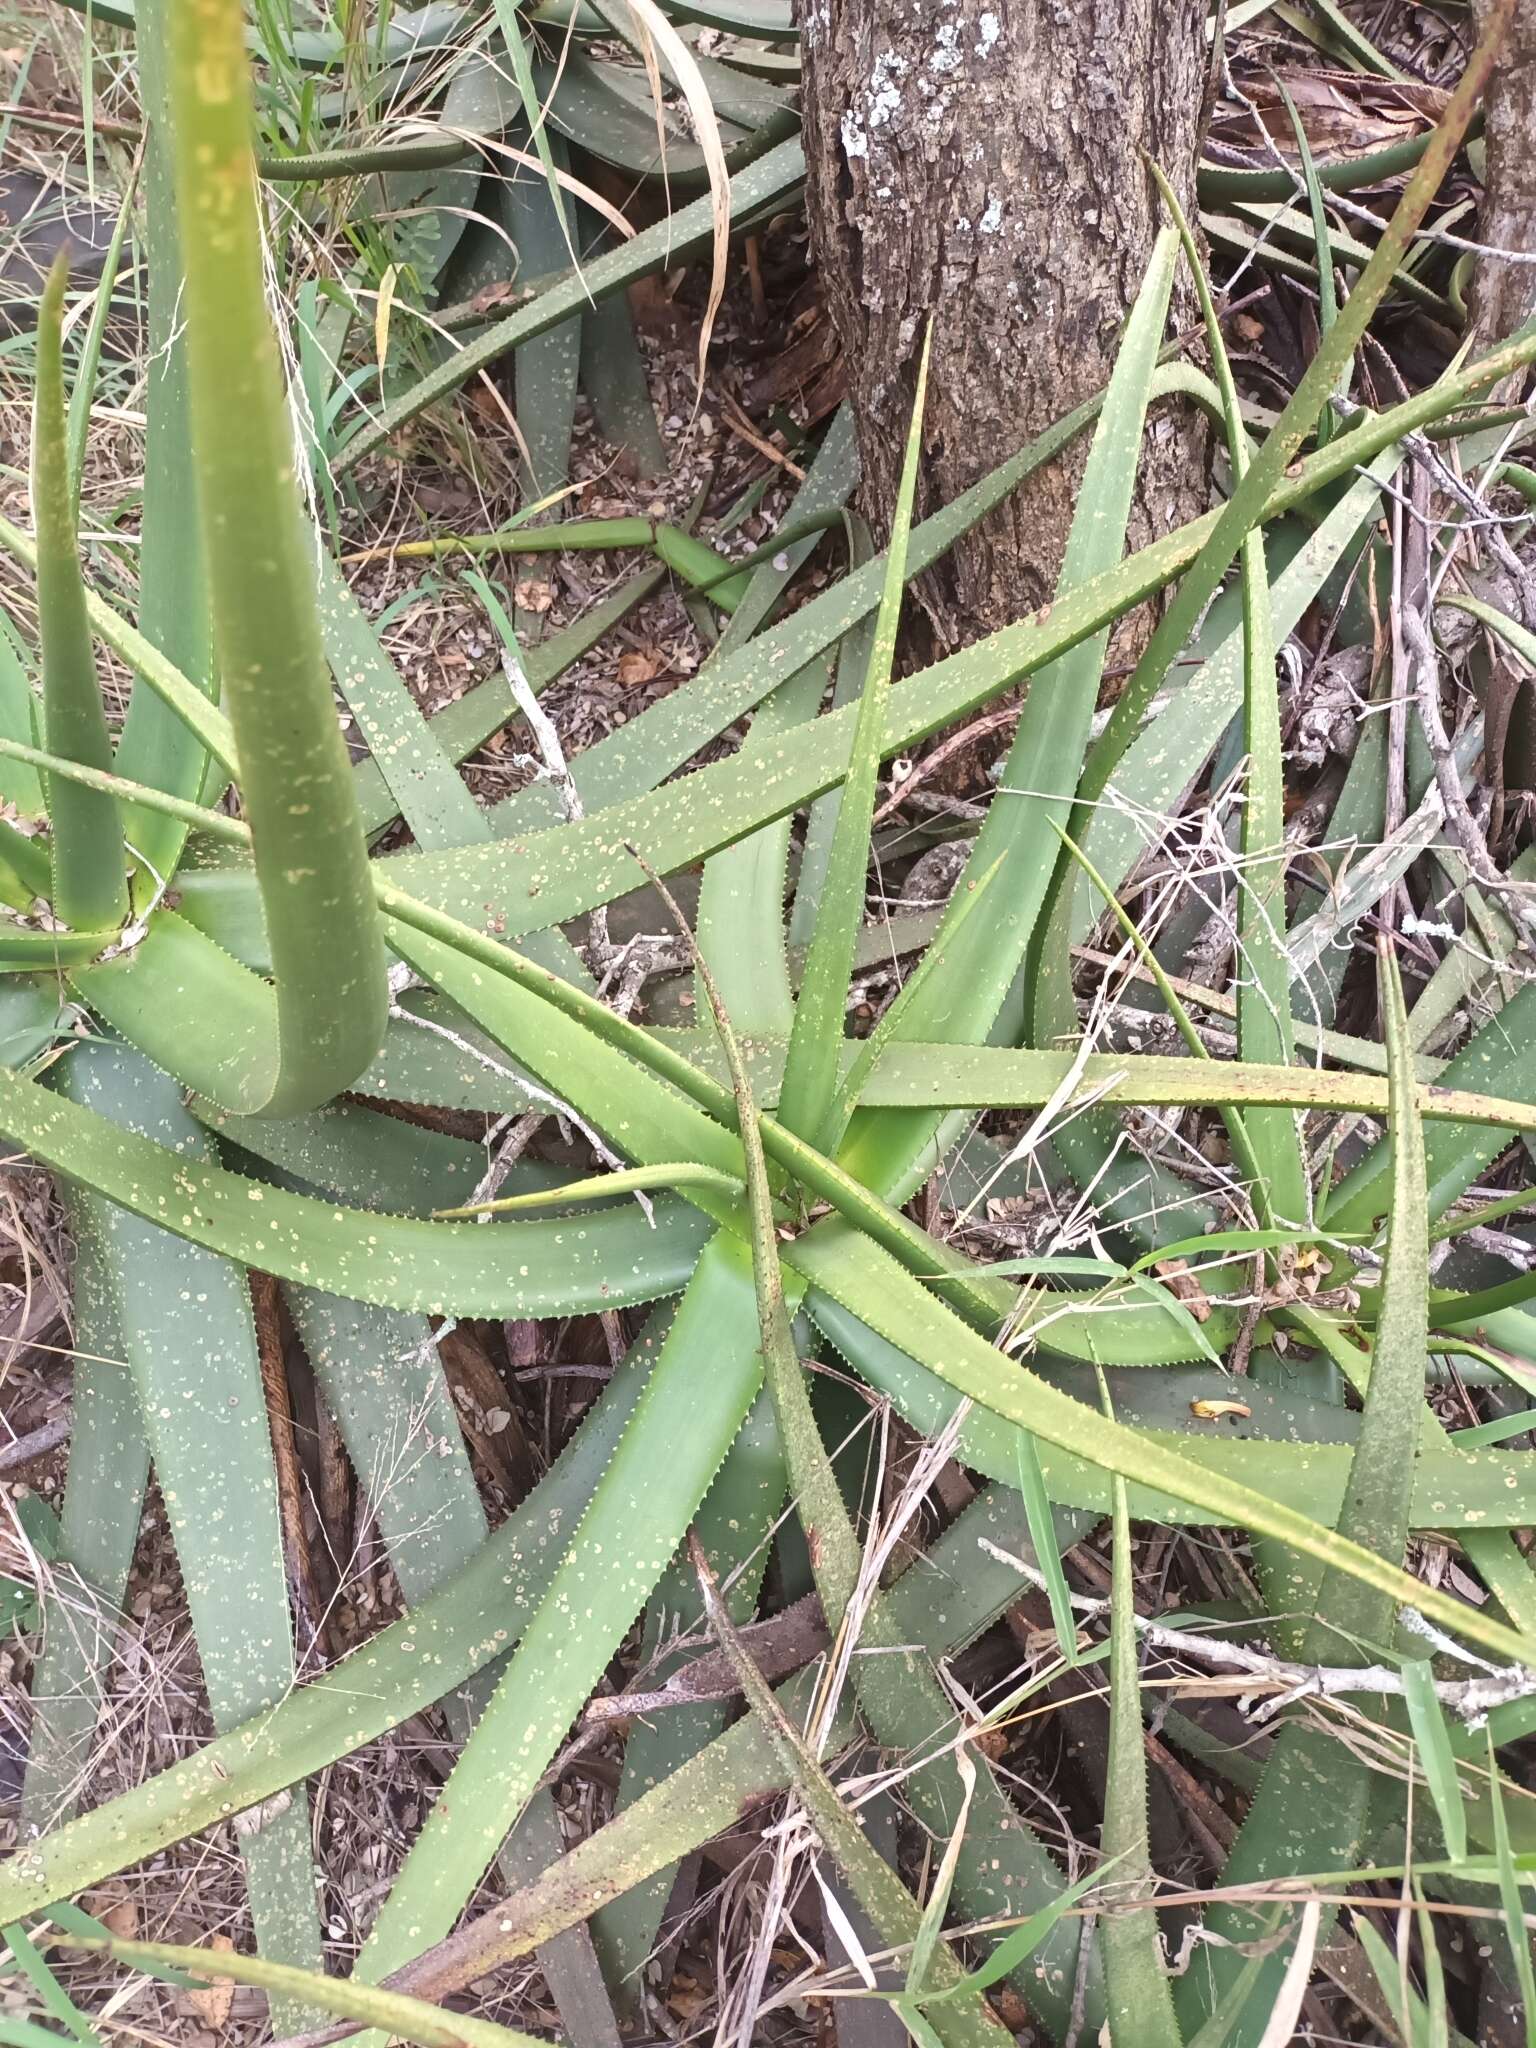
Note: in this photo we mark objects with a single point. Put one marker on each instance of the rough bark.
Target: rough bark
(979, 159)
(1504, 294)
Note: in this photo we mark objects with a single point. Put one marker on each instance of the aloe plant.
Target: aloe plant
(253, 982)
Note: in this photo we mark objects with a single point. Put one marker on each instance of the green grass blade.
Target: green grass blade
(1511, 1900)
(807, 1094)
(1136, 1987)
(90, 888)
(1437, 1760)
(295, 778)
(402, 2018)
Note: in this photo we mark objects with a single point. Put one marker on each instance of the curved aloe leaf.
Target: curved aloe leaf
(295, 778)
(808, 1091)
(607, 1260)
(293, 1990)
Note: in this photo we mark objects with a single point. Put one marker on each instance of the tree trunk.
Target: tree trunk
(981, 162)
(1504, 294)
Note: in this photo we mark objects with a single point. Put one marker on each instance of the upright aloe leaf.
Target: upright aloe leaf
(835, 1561)
(808, 1094)
(1311, 1806)
(90, 885)
(1264, 987)
(156, 745)
(982, 987)
(296, 781)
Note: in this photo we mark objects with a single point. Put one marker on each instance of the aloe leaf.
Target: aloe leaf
(189, 1341)
(1497, 1056)
(538, 218)
(808, 1091)
(90, 888)
(295, 779)
(156, 745)
(734, 1523)
(19, 785)
(511, 27)
(972, 1573)
(881, 1294)
(103, 1505)
(802, 772)
(1264, 1032)
(641, 755)
(1511, 1900)
(382, 1380)
(1290, 1454)
(1136, 1988)
(544, 1268)
(613, 375)
(1311, 1805)
(741, 896)
(405, 1668)
(661, 1470)
(470, 720)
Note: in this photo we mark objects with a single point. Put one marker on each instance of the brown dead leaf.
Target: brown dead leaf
(1345, 114)
(533, 596)
(638, 666)
(210, 2003)
(1216, 1411)
(1185, 1286)
(118, 1915)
